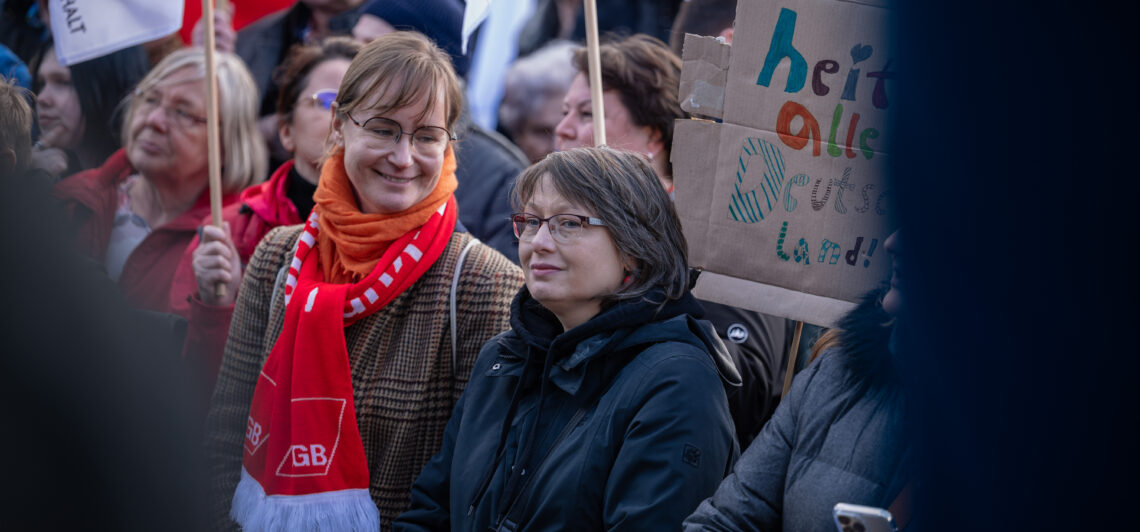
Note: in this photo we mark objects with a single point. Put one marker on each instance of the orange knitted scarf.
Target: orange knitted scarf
(350, 242)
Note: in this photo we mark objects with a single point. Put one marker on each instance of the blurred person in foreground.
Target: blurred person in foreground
(640, 78)
(94, 394)
(604, 407)
(357, 331)
(837, 437)
(136, 213)
(80, 108)
(308, 78)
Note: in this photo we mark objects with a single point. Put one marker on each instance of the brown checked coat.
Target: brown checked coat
(403, 379)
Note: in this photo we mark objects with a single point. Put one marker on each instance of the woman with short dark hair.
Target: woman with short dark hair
(604, 407)
(640, 82)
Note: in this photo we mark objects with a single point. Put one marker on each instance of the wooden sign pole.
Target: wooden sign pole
(793, 354)
(595, 65)
(213, 146)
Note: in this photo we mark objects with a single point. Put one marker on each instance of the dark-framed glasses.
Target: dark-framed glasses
(178, 114)
(324, 98)
(563, 227)
(429, 141)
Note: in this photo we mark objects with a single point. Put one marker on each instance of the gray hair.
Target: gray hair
(533, 80)
(245, 159)
(623, 190)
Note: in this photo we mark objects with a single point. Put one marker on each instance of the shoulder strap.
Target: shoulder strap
(452, 297)
(283, 272)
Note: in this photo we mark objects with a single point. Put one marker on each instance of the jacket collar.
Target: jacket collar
(536, 334)
(270, 200)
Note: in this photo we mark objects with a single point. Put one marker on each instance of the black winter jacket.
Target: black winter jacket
(633, 429)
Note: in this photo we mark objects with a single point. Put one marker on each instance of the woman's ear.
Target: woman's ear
(336, 128)
(655, 144)
(629, 266)
(285, 133)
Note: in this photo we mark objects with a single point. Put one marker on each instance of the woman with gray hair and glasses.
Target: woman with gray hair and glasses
(136, 214)
(604, 406)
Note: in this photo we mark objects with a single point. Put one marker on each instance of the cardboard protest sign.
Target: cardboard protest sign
(786, 204)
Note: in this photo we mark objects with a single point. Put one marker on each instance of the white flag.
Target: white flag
(473, 15)
(83, 29)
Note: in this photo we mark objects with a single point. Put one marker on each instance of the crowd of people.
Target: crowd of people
(409, 321)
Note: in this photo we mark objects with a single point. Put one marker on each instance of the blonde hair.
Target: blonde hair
(15, 122)
(245, 160)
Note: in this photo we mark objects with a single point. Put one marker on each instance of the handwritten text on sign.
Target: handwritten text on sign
(781, 48)
(749, 207)
(786, 202)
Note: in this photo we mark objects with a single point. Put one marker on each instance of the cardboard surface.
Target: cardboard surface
(705, 62)
(786, 203)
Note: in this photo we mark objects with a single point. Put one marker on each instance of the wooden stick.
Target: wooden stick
(595, 62)
(213, 146)
(793, 353)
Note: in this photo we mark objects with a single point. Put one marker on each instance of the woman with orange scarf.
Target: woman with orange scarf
(354, 334)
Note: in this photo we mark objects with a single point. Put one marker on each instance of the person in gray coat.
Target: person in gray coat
(837, 437)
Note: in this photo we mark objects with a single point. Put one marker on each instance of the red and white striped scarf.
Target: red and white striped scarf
(303, 465)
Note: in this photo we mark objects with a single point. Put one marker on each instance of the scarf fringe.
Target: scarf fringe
(347, 510)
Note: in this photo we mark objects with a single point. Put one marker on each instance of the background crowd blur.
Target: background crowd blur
(1018, 128)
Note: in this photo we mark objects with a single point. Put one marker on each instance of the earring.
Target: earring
(649, 155)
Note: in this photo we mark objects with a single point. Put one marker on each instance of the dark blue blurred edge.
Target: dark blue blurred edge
(1014, 164)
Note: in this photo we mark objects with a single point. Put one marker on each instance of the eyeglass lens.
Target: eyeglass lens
(427, 140)
(150, 100)
(325, 98)
(562, 227)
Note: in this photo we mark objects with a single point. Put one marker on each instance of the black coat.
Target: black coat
(618, 424)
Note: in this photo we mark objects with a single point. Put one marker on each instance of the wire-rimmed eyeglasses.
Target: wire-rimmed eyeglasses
(563, 227)
(179, 114)
(429, 141)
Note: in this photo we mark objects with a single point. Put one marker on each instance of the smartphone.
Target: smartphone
(856, 518)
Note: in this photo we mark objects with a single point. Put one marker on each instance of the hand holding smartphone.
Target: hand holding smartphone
(856, 518)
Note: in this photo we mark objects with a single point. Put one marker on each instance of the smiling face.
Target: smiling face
(305, 136)
(577, 126)
(57, 105)
(391, 178)
(167, 137)
(570, 279)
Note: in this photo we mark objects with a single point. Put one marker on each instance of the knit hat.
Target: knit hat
(440, 20)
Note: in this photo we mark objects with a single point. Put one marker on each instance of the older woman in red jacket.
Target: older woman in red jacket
(137, 212)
